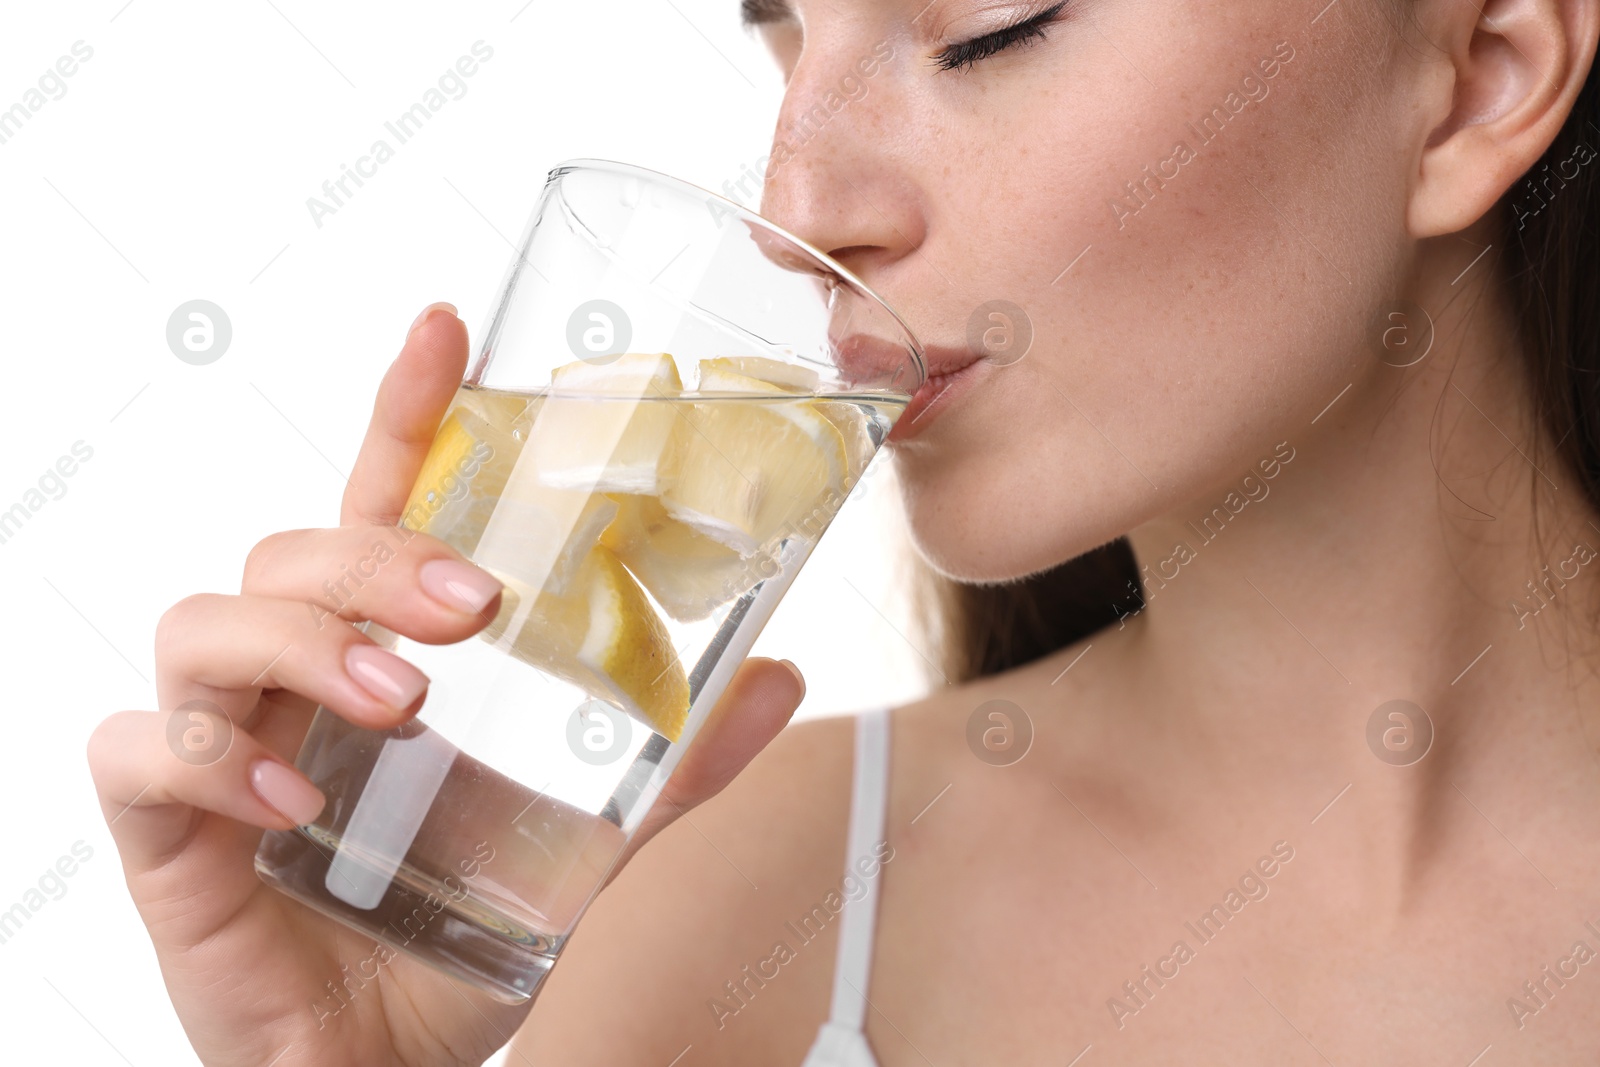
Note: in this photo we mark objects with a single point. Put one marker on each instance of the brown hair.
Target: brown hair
(1549, 264)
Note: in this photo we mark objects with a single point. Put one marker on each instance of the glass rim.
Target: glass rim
(746, 214)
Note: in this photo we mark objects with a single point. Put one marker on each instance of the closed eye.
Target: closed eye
(968, 53)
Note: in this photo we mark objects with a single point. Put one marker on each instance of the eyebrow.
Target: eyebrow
(754, 13)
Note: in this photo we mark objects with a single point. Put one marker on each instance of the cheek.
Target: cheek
(1204, 317)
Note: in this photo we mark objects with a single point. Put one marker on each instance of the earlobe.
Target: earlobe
(1518, 66)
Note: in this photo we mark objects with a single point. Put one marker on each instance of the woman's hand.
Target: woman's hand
(246, 966)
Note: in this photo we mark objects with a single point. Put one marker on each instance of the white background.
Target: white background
(177, 166)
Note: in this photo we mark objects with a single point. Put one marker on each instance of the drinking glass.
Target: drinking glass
(670, 401)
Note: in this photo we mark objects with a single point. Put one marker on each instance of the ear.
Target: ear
(1518, 66)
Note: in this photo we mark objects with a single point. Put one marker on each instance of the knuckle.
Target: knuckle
(418, 546)
(384, 560)
(259, 559)
(175, 621)
(103, 750)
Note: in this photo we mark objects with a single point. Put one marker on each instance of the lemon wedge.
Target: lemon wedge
(847, 418)
(452, 448)
(606, 428)
(466, 468)
(752, 465)
(791, 377)
(689, 574)
(541, 535)
(601, 635)
(500, 408)
(541, 628)
(629, 648)
(852, 423)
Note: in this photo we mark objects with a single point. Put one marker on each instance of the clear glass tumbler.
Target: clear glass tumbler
(669, 403)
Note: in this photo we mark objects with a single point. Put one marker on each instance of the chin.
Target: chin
(981, 527)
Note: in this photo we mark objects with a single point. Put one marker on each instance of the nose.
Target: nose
(834, 178)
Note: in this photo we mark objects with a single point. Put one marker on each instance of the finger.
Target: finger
(406, 581)
(227, 649)
(411, 401)
(138, 774)
(757, 704)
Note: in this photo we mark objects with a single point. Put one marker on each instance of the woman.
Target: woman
(1282, 751)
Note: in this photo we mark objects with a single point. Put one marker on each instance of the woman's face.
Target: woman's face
(1197, 205)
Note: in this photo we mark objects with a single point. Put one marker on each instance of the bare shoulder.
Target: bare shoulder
(1054, 708)
(672, 953)
(721, 933)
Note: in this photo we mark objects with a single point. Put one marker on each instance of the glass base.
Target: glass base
(429, 920)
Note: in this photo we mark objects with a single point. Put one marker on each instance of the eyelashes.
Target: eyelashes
(969, 53)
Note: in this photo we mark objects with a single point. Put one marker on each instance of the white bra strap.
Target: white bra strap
(868, 801)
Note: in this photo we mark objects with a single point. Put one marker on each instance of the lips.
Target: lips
(950, 371)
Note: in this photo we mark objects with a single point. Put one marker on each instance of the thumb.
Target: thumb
(757, 704)
(411, 400)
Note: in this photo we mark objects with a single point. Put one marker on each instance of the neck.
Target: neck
(1413, 542)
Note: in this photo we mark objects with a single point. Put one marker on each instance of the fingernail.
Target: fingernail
(459, 585)
(797, 675)
(285, 791)
(385, 675)
(429, 310)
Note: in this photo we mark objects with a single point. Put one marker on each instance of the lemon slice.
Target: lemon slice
(792, 377)
(847, 418)
(542, 628)
(452, 448)
(600, 635)
(498, 407)
(606, 428)
(541, 535)
(687, 573)
(752, 466)
(851, 422)
(466, 468)
(629, 648)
